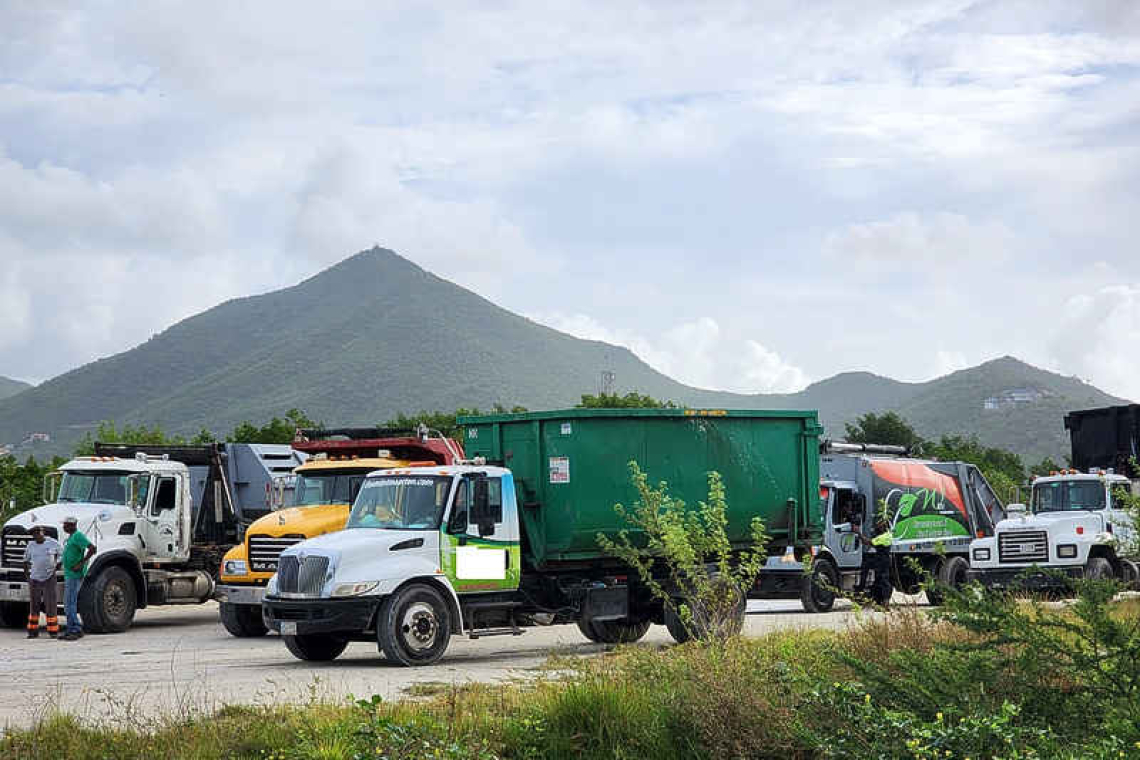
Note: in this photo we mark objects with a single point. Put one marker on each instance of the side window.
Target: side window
(164, 497)
(495, 498)
(459, 510)
(354, 484)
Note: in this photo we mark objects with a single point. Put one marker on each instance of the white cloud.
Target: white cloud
(877, 173)
(1098, 336)
(910, 241)
(696, 353)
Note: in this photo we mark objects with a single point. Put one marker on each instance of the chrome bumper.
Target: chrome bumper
(14, 591)
(251, 595)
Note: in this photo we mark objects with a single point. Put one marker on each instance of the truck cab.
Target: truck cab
(323, 488)
(1073, 525)
(935, 509)
(424, 549)
(137, 512)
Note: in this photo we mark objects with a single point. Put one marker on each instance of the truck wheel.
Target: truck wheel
(1131, 573)
(613, 631)
(13, 614)
(242, 620)
(818, 591)
(315, 647)
(1098, 568)
(107, 601)
(413, 626)
(952, 573)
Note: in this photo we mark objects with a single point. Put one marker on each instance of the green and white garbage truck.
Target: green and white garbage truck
(509, 538)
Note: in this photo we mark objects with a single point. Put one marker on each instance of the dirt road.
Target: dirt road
(180, 660)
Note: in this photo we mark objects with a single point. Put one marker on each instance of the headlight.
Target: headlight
(982, 555)
(1067, 551)
(354, 589)
(234, 567)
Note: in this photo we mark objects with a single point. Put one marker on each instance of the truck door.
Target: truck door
(165, 524)
(480, 543)
(845, 513)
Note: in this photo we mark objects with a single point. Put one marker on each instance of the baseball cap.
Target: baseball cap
(70, 519)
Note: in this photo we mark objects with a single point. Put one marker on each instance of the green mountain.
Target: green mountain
(10, 387)
(376, 335)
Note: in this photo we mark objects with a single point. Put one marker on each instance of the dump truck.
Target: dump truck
(935, 509)
(161, 517)
(1076, 524)
(323, 489)
(509, 538)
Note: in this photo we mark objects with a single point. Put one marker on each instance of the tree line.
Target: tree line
(21, 484)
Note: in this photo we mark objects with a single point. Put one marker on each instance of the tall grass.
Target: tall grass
(901, 685)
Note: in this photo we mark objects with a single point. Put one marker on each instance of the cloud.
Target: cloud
(795, 188)
(1098, 336)
(696, 353)
(911, 241)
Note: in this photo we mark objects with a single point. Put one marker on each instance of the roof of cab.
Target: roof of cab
(117, 464)
(366, 464)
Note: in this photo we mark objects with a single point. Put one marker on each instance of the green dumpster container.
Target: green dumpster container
(571, 468)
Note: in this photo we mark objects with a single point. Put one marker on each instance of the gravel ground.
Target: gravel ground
(179, 660)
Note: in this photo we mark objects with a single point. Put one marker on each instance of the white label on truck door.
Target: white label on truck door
(473, 563)
(560, 469)
(566, 428)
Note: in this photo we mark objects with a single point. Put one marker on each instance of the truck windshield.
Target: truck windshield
(1068, 496)
(326, 488)
(400, 503)
(94, 487)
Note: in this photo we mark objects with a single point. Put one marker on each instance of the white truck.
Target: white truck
(1073, 526)
(161, 522)
(935, 509)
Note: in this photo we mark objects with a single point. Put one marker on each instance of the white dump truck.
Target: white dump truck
(161, 517)
(1073, 526)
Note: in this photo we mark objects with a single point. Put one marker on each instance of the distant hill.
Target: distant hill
(376, 335)
(10, 387)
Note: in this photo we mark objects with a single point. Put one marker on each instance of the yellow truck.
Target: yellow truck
(323, 488)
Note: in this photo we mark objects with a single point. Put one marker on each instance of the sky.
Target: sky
(751, 196)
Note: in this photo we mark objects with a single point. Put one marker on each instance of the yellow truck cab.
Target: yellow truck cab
(324, 488)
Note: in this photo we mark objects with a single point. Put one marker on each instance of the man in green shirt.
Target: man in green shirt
(76, 552)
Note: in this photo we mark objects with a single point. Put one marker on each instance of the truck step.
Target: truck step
(478, 633)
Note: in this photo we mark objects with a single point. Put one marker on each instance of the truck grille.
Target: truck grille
(295, 577)
(1023, 546)
(264, 551)
(14, 540)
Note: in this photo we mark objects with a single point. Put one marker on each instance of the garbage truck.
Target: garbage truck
(509, 538)
(1077, 523)
(323, 488)
(935, 509)
(160, 516)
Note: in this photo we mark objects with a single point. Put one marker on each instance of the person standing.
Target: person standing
(877, 557)
(41, 556)
(76, 552)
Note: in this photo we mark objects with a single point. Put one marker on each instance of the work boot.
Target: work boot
(33, 634)
(53, 634)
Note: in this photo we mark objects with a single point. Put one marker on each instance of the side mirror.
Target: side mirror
(277, 492)
(843, 527)
(481, 506)
(133, 492)
(51, 486)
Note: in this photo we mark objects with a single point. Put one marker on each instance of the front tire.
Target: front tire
(14, 614)
(242, 620)
(315, 647)
(613, 631)
(107, 602)
(952, 573)
(1130, 574)
(1098, 569)
(413, 626)
(819, 588)
(702, 624)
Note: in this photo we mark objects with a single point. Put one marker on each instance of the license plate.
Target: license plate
(288, 628)
(13, 592)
